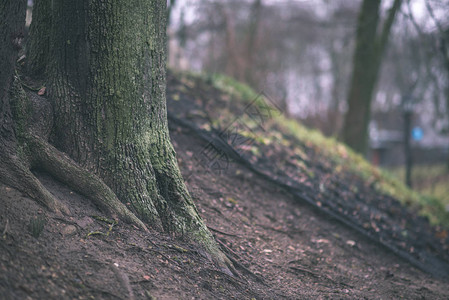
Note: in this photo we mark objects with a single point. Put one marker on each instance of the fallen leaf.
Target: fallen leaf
(441, 234)
(41, 91)
(232, 200)
(350, 243)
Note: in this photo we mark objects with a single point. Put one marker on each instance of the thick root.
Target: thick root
(224, 264)
(15, 174)
(60, 166)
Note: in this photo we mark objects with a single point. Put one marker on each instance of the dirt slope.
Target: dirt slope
(282, 248)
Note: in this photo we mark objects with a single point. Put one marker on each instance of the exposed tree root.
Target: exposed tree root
(31, 150)
(15, 174)
(47, 158)
(34, 124)
(60, 166)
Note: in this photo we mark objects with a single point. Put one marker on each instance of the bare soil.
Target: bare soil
(282, 248)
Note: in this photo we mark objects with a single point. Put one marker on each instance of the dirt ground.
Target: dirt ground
(282, 249)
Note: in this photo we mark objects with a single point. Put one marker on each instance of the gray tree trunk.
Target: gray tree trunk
(104, 65)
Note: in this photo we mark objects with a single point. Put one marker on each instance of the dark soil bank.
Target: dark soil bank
(282, 248)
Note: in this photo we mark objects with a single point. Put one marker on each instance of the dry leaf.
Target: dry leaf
(41, 91)
(350, 243)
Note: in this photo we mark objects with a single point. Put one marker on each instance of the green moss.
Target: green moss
(233, 87)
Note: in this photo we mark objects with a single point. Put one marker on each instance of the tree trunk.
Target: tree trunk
(105, 69)
(251, 43)
(366, 65)
(444, 49)
(38, 41)
(14, 169)
(408, 148)
(12, 14)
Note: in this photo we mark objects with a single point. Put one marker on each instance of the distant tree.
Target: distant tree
(443, 36)
(435, 76)
(444, 48)
(371, 40)
(103, 63)
(170, 7)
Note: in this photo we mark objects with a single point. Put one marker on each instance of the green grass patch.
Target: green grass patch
(232, 87)
(432, 182)
(385, 182)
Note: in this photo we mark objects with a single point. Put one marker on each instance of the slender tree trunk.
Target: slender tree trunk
(366, 65)
(233, 68)
(444, 49)
(251, 47)
(169, 11)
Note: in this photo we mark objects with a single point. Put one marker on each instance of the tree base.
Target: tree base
(32, 115)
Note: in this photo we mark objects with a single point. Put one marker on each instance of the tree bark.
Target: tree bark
(14, 170)
(106, 83)
(12, 14)
(366, 65)
(38, 41)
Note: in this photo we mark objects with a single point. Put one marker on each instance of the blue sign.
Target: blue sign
(417, 133)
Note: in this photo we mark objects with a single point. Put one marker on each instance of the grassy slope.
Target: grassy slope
(429, 180)
(342, 157)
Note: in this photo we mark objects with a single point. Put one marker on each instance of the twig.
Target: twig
(161, 254)
(248, 271)
(300, 269)
(224, 233)
(227, 248)
(305, 271)
(289, 233)
(111, 225)
(228, 277)
(5, 231)
(237, 263)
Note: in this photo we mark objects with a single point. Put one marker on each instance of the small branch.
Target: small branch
(237, 263)
(221, 232)
(432, 15)
(382, 41)
(305, 271)
(5, 231)
(227, 248)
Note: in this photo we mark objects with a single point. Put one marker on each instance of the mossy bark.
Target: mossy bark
(106, 83)
(38, 41)
(14, 166)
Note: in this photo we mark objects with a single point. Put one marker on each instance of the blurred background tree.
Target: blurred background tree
(303, 53)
